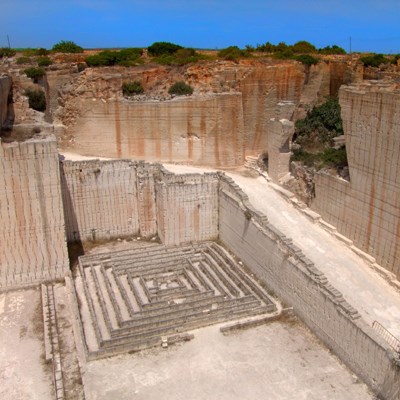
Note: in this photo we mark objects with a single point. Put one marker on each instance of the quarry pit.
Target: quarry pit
(130, 279)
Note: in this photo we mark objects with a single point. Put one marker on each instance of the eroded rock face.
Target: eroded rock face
(225, 119)
(367, 209)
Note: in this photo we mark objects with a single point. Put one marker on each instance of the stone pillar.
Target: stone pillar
(280, 132)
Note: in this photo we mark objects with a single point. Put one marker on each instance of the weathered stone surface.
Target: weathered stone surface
(32, 231)
(192, 130)
(120, 198)
(280, 133)
(367, 208)
(100, 199)
(223, 121)
(187, 208)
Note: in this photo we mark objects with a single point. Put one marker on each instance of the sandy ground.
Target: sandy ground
(24, 375)
(277, 361)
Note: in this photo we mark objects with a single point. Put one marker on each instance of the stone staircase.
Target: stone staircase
(130, 300)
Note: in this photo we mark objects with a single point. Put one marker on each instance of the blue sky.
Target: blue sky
(373, 25)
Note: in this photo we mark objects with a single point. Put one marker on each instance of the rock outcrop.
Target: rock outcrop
(367, 209)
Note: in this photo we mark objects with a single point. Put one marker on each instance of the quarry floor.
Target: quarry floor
(24, 374)
(281, 360)
(272, 362)
(278, 361)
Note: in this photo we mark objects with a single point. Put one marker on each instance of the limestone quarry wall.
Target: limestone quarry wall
(187, 208)
(100, 199)
(262, 90)
(224, 120)
(294, 279)
(5, 87)
(198, 130)
(110, 199)
(367, 209)
(32, 230)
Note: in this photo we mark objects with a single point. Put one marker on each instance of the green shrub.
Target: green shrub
(104, 58)
(180, 57)
(396, 57)
(266, 48)
(28, 52)
(374, 60)
(36, 99)
(180, 88)
(233, 53)
(67, 46)
(321, 124)
(303, 47)
(6, 52)
(34, 73)
(24, 60)
(306, 59)
(130, 57)
(41, 52)
(285, 54)
(332, 50)
(125, 57)
(335, 158)
(44, 61)
(305, 157)
(132, 88)
(160, 48)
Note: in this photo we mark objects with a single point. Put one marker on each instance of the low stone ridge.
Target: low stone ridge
(133, 299)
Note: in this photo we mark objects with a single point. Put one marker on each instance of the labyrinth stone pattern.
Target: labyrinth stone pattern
(133, 299)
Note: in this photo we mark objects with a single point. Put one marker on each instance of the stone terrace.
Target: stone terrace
(133, 299)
